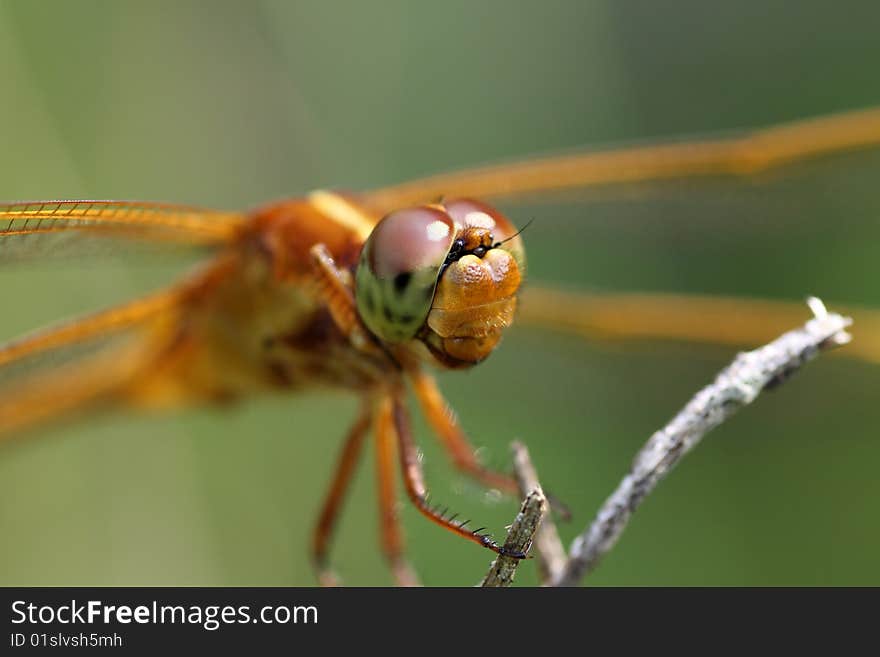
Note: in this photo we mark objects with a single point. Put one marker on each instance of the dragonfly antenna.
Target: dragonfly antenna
(528, 223)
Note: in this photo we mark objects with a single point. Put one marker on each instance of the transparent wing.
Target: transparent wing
(720, 320)
(58, 381)
(743, 154)
(82, 361)
(72, 362)
(89, 327)
(40, 229)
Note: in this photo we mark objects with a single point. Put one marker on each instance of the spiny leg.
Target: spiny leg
(335, 288)
(414, 483)
(392, 537)
(345, 465)
(442, 419)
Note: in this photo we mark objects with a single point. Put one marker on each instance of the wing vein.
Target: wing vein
(740, 155)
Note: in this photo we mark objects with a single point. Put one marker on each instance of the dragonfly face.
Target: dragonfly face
(445, 275)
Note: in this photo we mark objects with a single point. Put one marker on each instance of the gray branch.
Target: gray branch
(551, 553)
(735, 387)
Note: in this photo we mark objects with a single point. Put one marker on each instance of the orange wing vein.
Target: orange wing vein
(718, 320)
(88, 327)
(745, 154)
(68, 366)
(160, 221)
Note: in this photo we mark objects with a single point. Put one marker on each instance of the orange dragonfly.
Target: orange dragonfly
(361, 292)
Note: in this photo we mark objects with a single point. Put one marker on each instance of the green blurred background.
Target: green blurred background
(231, 104)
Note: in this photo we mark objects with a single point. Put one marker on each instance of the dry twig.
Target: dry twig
(736, 386)
(519, 537)
(551, 553)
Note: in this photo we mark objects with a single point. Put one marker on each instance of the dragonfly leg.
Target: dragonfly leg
(414, 482)
(335, 285)
(442, 419)
(346, 463)
(392, 536)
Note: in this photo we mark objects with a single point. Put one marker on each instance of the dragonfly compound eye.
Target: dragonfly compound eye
(398, 270)
(469, 212)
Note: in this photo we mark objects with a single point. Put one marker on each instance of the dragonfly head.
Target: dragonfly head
(446, 275)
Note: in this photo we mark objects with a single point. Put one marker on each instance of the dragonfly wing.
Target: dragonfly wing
(77, 363)
(743, 154)
(719, 320)
(72, 364)
(31, 230)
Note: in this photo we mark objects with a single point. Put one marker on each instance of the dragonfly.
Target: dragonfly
(368, 293)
